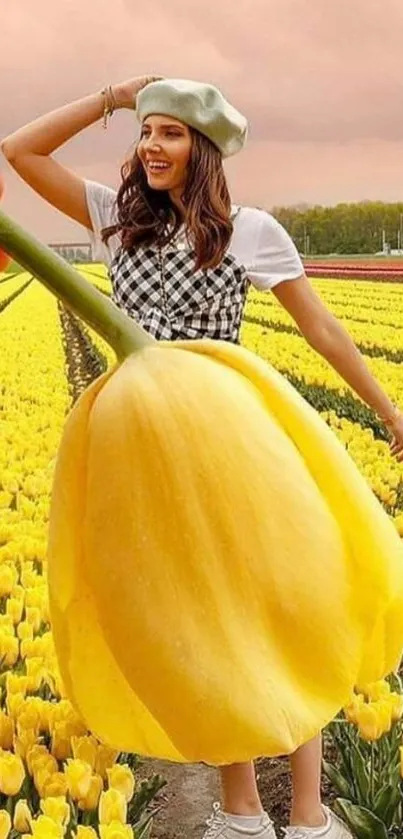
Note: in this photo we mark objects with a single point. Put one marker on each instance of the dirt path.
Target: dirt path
(191, 789)
(187, 798)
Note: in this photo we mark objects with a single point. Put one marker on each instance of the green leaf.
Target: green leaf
(363, 823)
(343, 743)
(361, 774)
(338, 780)
(395, 682)
(143, 830)
(386, 802)
(393, 769)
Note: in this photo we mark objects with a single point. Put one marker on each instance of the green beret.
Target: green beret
(199, 105)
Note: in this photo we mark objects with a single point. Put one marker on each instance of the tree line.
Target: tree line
(363, 227)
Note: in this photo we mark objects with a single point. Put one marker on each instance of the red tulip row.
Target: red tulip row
(380, 273)
(357, 266)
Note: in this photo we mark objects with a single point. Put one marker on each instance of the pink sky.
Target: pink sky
(321, 82)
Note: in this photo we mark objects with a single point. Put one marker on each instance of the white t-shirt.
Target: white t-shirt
(259, 241)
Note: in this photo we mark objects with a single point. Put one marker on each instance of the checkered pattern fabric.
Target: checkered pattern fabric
(158, 288)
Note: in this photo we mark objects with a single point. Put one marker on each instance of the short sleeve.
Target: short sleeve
(102, 211)
(276, 258)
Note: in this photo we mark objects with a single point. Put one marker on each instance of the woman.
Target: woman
(174, 196)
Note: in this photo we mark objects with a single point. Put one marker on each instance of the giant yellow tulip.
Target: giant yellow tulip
(221, 576)
(219, 570)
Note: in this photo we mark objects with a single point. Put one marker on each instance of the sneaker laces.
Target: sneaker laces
(298, 832)
(293, 832)
(217, 819)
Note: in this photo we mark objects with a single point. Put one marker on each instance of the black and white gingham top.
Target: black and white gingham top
(159, 288)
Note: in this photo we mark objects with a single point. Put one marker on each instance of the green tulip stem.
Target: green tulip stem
(371, 776)
(79, 295)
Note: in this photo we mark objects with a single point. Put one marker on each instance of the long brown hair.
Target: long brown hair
(145, 214)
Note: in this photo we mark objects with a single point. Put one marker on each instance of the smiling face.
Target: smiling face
(164, 150)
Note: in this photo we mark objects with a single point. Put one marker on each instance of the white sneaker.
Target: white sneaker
(221, 825)
(334, 828)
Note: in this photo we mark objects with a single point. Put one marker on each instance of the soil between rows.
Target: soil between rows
(192, 788)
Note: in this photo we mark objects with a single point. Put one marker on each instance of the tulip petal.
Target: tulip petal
(220, 574)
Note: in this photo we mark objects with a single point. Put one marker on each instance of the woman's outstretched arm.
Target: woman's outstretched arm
(325, 334)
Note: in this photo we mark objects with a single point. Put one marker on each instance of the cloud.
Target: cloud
(299, 69)
(320, 83)
(308, 69)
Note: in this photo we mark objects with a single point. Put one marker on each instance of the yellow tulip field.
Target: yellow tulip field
(46, 754)
(371, 312)
(56, 779)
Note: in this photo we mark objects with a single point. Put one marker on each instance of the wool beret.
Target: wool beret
(200, 105)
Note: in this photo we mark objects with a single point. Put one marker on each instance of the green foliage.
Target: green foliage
(361, 821)
(367, 778)
(344, 229)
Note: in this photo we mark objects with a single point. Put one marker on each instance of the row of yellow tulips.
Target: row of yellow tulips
(54, 777)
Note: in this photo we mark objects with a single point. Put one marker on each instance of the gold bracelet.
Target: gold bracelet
(390, 420)
(110, 103)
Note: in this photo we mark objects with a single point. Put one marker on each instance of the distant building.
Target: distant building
(73, 251)
(389, 252)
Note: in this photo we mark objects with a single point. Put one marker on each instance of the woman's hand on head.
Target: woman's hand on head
(125, 92)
